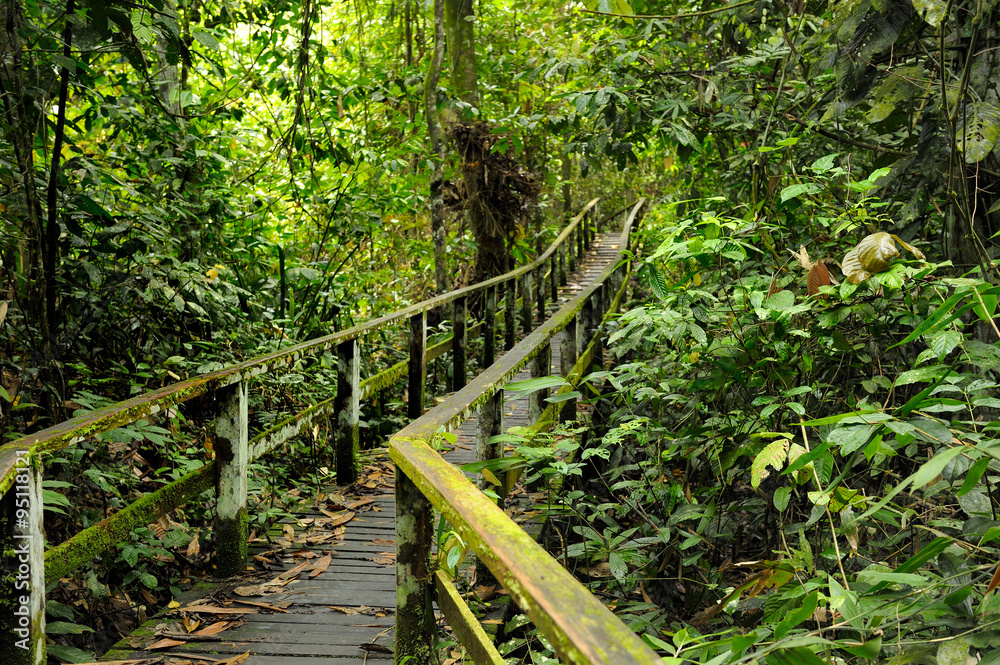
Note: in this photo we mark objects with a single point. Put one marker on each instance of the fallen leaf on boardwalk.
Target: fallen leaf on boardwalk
(193, 548)
(336, 519)
(384, 558)
(262, 559)
(165, 643)
(191, 625)
(289, 532)
(212, 609)
(322, 538)
(140, 661)
(485, 593)
(320, 566)
(306, 521)
(377, 648)
(304, 554)
(600, 570)
(235, 660)
(215, 628)
(264, 606)
(290, 574)
(135, 641)
(354, 505)
(383, 541)
(342, 610)
(253, 590)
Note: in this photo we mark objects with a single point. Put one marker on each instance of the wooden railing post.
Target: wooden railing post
(460, 314)
(418, 364)
(490, 424)
(579, 242)
(539, 283)
(586, 325)
(541, 365)
(554, 278)
(232, 456)
(22, 570)
(490, 327)
(348, 409)
(526, 321)
(586, 231)
(414, 613)
(562, 265)
(567, 358)
(509, 315)
(571, 249)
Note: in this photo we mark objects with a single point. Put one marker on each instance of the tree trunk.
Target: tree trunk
(437, 149)
(461, 34)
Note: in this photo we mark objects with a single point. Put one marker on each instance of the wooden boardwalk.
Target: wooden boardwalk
(322, 586)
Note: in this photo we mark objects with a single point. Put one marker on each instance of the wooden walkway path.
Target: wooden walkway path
(323, 588)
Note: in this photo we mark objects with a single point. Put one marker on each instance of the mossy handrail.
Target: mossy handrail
(21, 541)
(579, 627)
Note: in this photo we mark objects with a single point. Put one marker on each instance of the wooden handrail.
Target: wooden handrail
(21, 469)
(579, 627)
(129, 411)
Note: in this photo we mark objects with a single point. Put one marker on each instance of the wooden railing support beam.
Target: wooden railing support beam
(347, 406)
(567, 358)
(526, 320)
(539, 283)
(541, 365)
(418, 364)
(22, 568)
(490, 425)
(490, 327)
(554, 279)
(460, 317)
(232, 455)
(510, 315)
(414, 613)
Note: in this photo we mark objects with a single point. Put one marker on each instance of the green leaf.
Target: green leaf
(973, 476)
(69, 654)
(772, 455)
(932, 11)
(563, 397)
(795, 617)
(66, 628)
(794, 656)
(657, 283)
(781, 497)
(932, 468)
(945, 342)
(869, 649)
(206, 39)
(529, 386)
(851, 438)
(797, 190)
(981, 131)
(953, 652)
(780, 301)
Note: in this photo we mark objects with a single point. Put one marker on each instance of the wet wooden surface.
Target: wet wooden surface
(337, 610)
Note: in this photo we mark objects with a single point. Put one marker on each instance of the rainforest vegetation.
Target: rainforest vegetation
(794, 453)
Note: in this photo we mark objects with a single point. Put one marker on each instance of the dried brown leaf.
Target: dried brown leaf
(802, 256)
(336, 519)
(165, 643)
(320, 566)
(215, 628)
(818, 276)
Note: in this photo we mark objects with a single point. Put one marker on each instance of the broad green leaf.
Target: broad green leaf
(534, 385)
(945, 342)
(892, 578)
(69, 654)
(973, 476)
(847, 602)
(772, 455)
(824, 163)
(795, 617)
(851, 438)
(932, 11)
(981, 131)
(953, 652)
(781, 300)
(781, 497)
(869, 649)
(794, 656)
(932, 468)
(797, 190)
(206, 39)
(66, 628)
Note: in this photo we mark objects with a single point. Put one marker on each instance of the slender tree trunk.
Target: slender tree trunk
(438, 149)
(461, 34)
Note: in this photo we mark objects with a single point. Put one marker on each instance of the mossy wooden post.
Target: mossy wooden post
(540, 366)
(562, 265)
(579, 241)
(347, 407)
(539, 283)
(571, 249)
(509, 315)
(231, 458)
(586, 325)
(587, 230)
(460, 314)
(490, 425)
(418, 364)
(526, 321)
(490, 327)
(567, 358)
(554, 278)
(414, 614)
(22, 570)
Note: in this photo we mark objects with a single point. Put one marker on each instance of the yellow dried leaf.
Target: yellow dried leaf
(802, 256)
(851, 266)
(875, 251)
(910, 248)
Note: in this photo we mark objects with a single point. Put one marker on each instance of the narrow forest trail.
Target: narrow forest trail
(323, 586)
